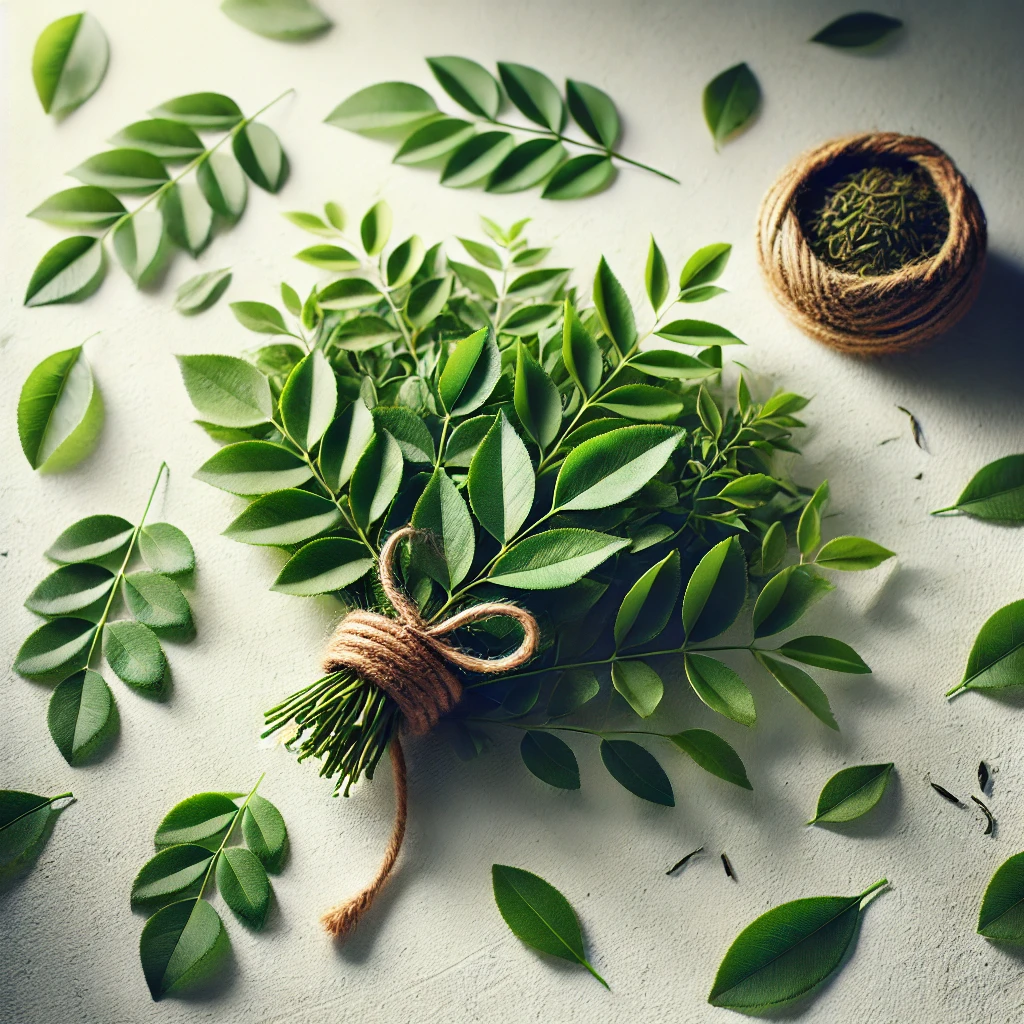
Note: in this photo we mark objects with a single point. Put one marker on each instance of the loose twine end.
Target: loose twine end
(410, 662)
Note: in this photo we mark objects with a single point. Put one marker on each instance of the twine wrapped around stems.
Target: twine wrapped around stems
(872, 315)
(408, 660)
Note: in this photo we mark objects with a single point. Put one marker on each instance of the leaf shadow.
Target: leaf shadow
(10, 878)
(888, 605)
(1010, 697)
(877, 822)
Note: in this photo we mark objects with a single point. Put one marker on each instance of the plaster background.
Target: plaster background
(435, 948)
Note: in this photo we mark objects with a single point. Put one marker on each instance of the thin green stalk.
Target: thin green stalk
(38, 807)
(102, 621)
(227, 836)
(444, 435)
(873, 888)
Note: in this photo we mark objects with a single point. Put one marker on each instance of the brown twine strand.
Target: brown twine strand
(873, 315)
(410, 662)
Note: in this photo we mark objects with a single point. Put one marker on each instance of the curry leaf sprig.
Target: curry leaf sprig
(185, 939)
(79, 602)
(483, 150)
(180, 210)
(552, 455)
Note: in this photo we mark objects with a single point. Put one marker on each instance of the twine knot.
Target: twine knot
(407, 658)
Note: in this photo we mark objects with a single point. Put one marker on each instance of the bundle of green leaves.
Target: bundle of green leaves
(554, 458)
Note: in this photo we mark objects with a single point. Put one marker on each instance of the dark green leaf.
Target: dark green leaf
(656, 276)
(639, 685)
(773, 548)
(165, 139)
(1002, 909)
(156, 600)
(581, 176)
(171, 874)
(470, 85)
(715, 592)
(224, 184)
(323, 566)
(166, 549)
(594, 111)
(862, 28)
(264, 831)
(375, 479)
(614, 308)
(375, 228)
(476, 158)
(464, 441)
(808, 530)
(86, 207)
(202, 818)
(349, 293)
(852, 792)
(637, 770)
(580, 352)
(537, 402)
(133, 171)
(69, 272)
(284, 517)
(720, 688)
(134, 653)
(554, 559)
(254, 467)
(573, 689)
(345, 441)
(669, 365)
(363, 333)
(140, 244)
(534, 94)
(181, 945)
(714, 755)
(529, 320)
(384, 107)
(226, 390)
(643, 402)
(80, 715)
(69, 62)
(201, 292)
(474, 279)
(287, 20)
(25, 821)
(824, 652)
(709, 413)
(71, 588)
(785, 598)
(258, 150)
(483, 254)
(852, 554)
(526, 165)
(242, 881)
(470, 374)
(704, 266)
(205, 111)
(426, 300)
(995, 493)
(442, 511)
(404, 261)
(309, 400)
(697, 332)
(501, 481)
(92, 539)
(550, 759)
(997, 657)
(408, 430)
(56, 648)
(801, 686)
(730, 100)
(647, 607)
(188, 217)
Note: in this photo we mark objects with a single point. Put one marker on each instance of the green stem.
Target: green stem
(32, 810)
(959, 688)
(193, 164)
(444, 435)
(102, 621)
(873, 888)
(227, 836)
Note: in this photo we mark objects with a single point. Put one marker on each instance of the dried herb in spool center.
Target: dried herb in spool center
(874, 220)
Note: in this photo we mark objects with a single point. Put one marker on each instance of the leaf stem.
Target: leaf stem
(959, 688)
(873, 888)
(227, 836)
(102, 621)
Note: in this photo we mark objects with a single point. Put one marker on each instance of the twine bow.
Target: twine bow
(408, 659)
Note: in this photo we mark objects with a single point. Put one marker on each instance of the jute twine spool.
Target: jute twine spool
(872, 315)
(410, 662)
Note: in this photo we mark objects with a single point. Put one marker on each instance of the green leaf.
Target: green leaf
(464, 441)
(171, 874)
(181, 945)
(824, 652)
(202, 819)
(254, 467)
(853, 31)
(483, 254)
(529, 257)
(997, 657)
(134, 653)
(709, 413)
(554, 558)
(594, 111)
(242, 881)
(550, 759)
(539, 915)
(639, 684)
(80, 715)
(574, 688)
(188, 217)
(852, 554)
(226, 390)
(995, 493)
(637, 770)
(501, 481)
(442, 511)
(435, 139)
(166, 549)
(1002, 908)
(750, 491)
(349, 293)
(87, 207)
(201, 292)
(60, 412)
(205, 111)
(704, 266)
(715, 592)
(474, 279)
(470, 374)
(470, 85)
(284, 517)
(787, 952)
(647, 607)
(852, 792)
(714, 755)
(534, 94)
(25, 821)
(69, 272)
(287, 20)
(132, 171)
(476, 158)
(614, 308)
(730, 100)
(808, 530)
(56, 647)
(671, 365)
(697, 332)
(773, 548)
(71, 588)
(258, 150)
(224, 184)
(384, 107)
(363, 333)
(426, 300)
(69, 62)
(312, 223)
(405, 261)
(785, 598)
(375, 228)
(643, 402)
(138, 243)
(345, 441)
(264, 831)
(611, 467)
(720, 688)
(323, 567)
(580, 352)
(656, 276)
(375, 479)
(801, 686)
(165, 139)
(408, 430)
(309, 400)
(92, 539)
(528, 320)
(156, 600)
(537, 401)
(581, 176)
(526, 165)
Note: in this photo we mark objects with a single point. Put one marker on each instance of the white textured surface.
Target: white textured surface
(435, 949)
